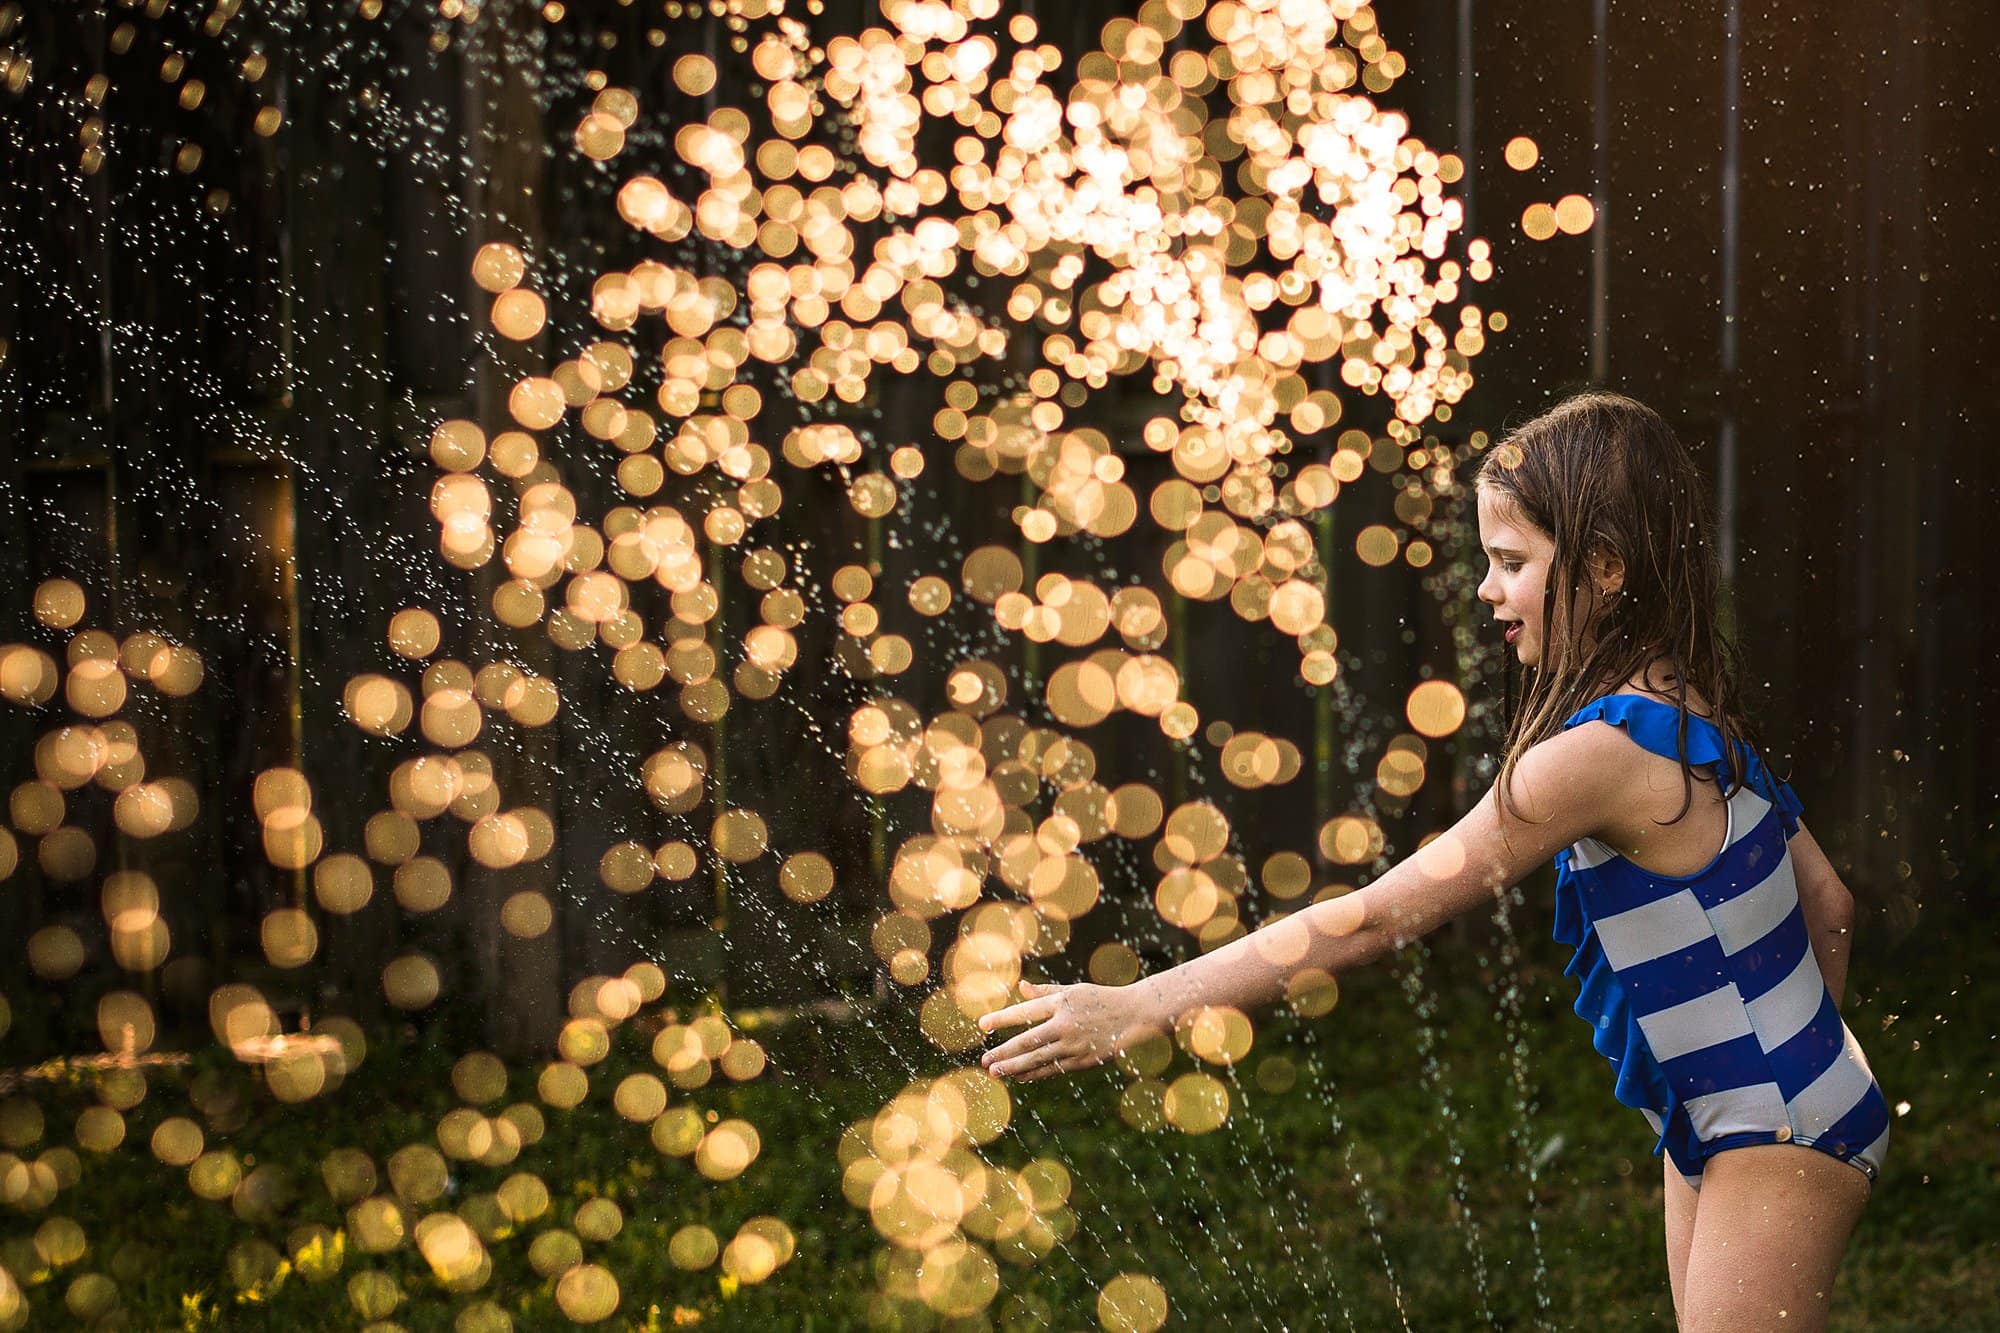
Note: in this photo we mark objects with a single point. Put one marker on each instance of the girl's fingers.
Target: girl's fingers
(1048, 1068)
(1064, 1062)
(1028, 1011)
(1022, 1067)
(1056, 1057)
(1019, 1045)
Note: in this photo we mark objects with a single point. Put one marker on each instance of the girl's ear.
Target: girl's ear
(1607, 571)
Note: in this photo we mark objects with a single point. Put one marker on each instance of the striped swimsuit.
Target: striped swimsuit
(1702, 990)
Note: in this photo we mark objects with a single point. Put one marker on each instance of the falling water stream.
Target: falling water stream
(898, 374)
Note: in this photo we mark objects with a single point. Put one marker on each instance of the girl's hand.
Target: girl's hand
(1075, 1027)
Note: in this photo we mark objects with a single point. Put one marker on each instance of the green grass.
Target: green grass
(1388, 1185)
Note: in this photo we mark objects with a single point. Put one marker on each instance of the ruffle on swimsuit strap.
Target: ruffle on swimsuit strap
(1653, 724)
(1601, 999)
(1602, 1003)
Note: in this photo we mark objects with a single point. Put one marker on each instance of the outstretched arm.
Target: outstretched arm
(1563, 790)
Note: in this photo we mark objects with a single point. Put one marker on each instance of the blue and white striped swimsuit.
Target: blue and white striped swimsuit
(1702, 990)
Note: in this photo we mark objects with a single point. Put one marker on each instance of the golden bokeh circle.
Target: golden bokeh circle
(1538, 221)
(693, 1247)
(411, 982)
(1132, 1303)
(1574, 214)
(59, 603)
(694, 74)
(1436, 708)
(806, 877)
(498, 266)
(414, 633)
(1197, 1103)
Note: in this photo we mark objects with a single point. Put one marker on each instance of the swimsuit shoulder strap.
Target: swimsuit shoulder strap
(1654, 724)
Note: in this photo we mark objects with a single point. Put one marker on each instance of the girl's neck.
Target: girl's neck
(1658, 679)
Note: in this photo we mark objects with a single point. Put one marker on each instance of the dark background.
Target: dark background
(217, 421)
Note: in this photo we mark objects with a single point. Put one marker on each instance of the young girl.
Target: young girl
(1710, 978)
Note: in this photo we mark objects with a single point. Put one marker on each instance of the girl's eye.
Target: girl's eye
(1511, 566)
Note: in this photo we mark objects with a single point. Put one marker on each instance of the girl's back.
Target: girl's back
(1702, 989)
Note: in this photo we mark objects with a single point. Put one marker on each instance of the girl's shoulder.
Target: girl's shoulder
(1655, 737)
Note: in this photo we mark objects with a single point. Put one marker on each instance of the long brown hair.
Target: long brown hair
(1603, 474)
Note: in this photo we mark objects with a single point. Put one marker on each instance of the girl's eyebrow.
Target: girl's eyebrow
(1507, 551)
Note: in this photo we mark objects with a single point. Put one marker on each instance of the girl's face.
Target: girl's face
(1518, 556)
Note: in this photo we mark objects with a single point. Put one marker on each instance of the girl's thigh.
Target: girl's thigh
(1768, 1239)
(1681, 1205)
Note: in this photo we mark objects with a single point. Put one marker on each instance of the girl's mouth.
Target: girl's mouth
(1514, 631)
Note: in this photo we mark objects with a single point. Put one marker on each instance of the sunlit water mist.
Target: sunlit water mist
(933, 358)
